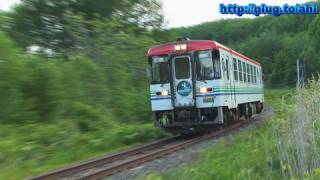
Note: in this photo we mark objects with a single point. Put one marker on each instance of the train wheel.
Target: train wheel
(259, 107)
(227, 115)
(246, 111)
(250, 111)
(236, 114)
(230, 116)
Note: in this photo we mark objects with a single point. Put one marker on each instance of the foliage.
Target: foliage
(36, 148)
(55, 109)
(47, 23)
(45, 89)
(298, 140)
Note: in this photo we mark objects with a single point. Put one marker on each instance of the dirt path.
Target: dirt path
(187, 155)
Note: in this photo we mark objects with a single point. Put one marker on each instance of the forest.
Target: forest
(63, 59)
(74, 72)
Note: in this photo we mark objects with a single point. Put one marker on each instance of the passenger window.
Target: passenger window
(255, 74)
(235, 69)
(244, 71)
(248, 73)
(251, 72)
(258, 75)
(240, 70)
(227, 68)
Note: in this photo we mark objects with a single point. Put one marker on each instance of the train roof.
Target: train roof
(195, 45)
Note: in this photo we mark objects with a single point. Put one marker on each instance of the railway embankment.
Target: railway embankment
(284, 147)
(193, 154)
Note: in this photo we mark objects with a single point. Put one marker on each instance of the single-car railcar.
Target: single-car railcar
(198, 84)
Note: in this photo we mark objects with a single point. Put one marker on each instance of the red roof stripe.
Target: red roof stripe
(195, 45)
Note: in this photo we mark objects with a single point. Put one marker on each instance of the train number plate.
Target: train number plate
(208, 99)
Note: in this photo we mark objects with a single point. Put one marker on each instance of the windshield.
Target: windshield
(182, 67)
(208, 65)
(160, 70)
(204, 65)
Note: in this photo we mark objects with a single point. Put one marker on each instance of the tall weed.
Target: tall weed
(299, 138)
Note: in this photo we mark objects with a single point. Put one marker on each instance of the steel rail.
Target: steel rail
(63, 172)
(110, 170)
(109, 165)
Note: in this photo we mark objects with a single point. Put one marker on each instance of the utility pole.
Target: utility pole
(298, 75)
(302, 74)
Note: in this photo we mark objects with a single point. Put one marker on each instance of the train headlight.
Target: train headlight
(180, 47)
(165, 93)
(203, 90)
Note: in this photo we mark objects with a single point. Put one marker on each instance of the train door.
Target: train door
(182, 82)
(228, 88)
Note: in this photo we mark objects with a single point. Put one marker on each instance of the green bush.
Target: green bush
(84, 111)
(88, 118)
(138, 133)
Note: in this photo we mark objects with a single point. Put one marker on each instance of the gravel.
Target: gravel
(188, 155)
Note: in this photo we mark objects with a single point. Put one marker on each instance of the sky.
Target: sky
(190, 12)
(179, 13)
(5, 5)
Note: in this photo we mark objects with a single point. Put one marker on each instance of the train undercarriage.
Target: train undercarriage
(196, 120)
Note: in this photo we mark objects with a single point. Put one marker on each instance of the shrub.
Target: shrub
(87, 117)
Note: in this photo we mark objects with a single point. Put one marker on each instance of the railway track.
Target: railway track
(109, 165)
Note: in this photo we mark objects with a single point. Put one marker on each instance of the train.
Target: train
(200, 84)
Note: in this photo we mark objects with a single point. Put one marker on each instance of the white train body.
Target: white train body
(206, 84)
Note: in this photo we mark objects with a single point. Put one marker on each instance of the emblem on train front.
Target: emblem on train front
(184, 88)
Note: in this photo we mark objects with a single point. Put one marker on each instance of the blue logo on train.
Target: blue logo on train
(184, 88)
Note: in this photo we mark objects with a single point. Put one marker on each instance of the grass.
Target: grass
(299, 138)
(39, 147)
(270, 151)
(261, 153)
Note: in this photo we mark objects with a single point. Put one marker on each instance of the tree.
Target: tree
(46, 23)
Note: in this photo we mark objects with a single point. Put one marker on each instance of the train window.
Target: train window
(248, 73)
(251, 72)
(244, 71)
(227, 68)
(258, 76)
(182, 67)
(160, 70)
(255, 74)
(204, 65)
(216, 64)
(235, 69)
(240, 70)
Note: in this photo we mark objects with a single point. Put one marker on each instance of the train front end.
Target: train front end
(183, 77)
